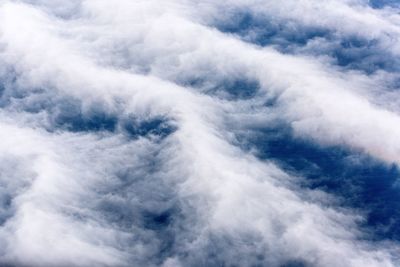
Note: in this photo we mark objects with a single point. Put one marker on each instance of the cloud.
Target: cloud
(127, 132)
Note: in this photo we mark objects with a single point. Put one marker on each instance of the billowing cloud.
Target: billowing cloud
(196, 133)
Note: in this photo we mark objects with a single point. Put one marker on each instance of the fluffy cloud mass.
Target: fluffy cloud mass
(199, 133)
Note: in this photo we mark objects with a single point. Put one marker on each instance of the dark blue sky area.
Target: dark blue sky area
(358, 180)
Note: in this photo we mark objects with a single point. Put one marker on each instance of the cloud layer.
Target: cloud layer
(195, 133)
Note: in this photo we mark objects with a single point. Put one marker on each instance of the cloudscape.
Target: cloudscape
(197, 133)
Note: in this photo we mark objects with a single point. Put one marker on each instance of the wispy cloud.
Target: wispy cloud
(139, 133)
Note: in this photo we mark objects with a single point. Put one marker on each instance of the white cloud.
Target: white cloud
(81, 197)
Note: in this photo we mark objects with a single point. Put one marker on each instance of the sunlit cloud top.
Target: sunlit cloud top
(200, 133)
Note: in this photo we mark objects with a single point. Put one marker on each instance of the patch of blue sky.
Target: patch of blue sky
(71, 117)
(156, 126)
(290, 37)
(228, 87)
(383, 3)
(356, 179)
(268, 31)
(68, 114)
